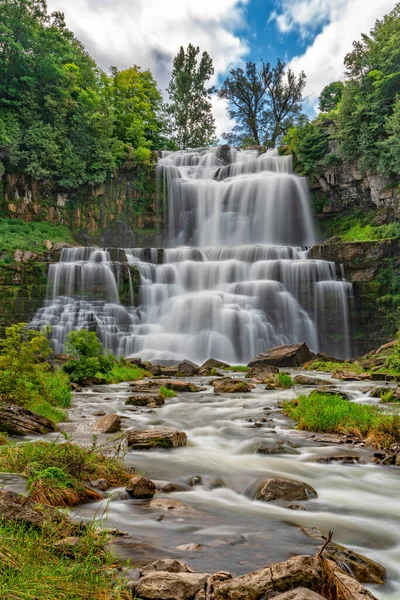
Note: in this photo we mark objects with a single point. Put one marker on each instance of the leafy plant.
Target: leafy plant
(285, 380)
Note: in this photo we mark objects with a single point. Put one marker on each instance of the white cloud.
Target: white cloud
(149, 33)
(323, 59)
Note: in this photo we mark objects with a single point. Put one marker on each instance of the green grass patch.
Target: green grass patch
(332, 414)
(285, 380)
(46, 410)
(331, 367)
(49, 465)
(31, 567)
(120, 373)
(16, 234)
(166, 393)
(360, 227)
(238, 368)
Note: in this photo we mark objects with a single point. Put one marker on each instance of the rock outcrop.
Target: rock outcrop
(292, 355)
(226, 385)
(279, 488)
(108, 424)
(17, 420)
(141, 488)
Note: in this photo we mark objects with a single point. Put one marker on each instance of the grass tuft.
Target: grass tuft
(120, 373)
(285, 380)
(166, 393)
(332, 414)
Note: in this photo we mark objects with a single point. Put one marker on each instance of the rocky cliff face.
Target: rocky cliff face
(122, 211)
(343, 187)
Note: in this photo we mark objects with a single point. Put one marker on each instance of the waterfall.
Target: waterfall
(234, 279)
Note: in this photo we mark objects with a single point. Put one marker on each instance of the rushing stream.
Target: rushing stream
(221, 468)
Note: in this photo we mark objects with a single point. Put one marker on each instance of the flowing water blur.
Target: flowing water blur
(234, 278)
(220, 469)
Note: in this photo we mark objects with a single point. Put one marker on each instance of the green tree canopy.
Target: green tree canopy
(190, 110)
(331, 96)
(263, 100)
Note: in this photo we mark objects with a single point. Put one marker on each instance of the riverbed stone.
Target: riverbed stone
(275, 448)
(176, 385)
(186, 368)
(300, 593)
(141, 488)
(307, 380)
(379, 390)
(108, 424)
(280, 488)
(16, 508)
(17, 420)
(168, 565)
(168, 504)
(160, 585)
(261, 372)
(148, 401)
(213, 363)
(189, 547)
(156, 438)
(364, 569)
(290, 355)
(228, 385)
(307, 572)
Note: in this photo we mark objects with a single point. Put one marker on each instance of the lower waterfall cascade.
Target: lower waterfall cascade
(234, 278)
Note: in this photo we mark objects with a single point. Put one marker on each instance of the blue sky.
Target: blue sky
(311, 35)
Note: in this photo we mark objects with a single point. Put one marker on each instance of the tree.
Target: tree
(263, 100)
(190, 109)
(331, 96)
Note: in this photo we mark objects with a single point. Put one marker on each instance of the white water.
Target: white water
(235, 278)
(360, 502)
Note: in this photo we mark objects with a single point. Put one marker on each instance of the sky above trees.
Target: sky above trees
(311, 35)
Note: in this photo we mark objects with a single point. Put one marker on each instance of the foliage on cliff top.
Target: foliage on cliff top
(364, 115)
(61, 118)
(16, 234)
(360, 227)
(31, 565)
(332, 414)
(26, 377)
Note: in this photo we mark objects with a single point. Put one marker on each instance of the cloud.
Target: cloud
(149, 33)
(345, 21)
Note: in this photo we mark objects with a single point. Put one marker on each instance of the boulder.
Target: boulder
(134, 360)
(156, 438)
(171, 384)
(279, 488)
(261, 372)
(17, 420)
(213, 363)
(291, 355)
(186, 368)
(362, 568)
(231, 386)
(108, 424)
(168, 565)
(141, 488)
(299, 594)
(345, 459)
(379, 390)
(307, 380)
(161, 585)
(149, 401)
(309, 572)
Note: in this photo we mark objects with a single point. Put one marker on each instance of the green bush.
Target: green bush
(83, 343)
(88, 360)
(83, 370)
(16, 234)
(285, 380)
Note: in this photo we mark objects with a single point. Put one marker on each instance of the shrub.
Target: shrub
(83, 343)
(124, 372)
(166, 393)
(285, 380)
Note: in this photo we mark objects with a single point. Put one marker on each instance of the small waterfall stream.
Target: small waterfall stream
(234, 279)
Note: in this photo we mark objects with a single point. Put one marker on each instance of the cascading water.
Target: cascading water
(234, 279)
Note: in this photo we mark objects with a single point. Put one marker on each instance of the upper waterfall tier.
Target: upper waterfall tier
(255, 199)
(235, 277)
